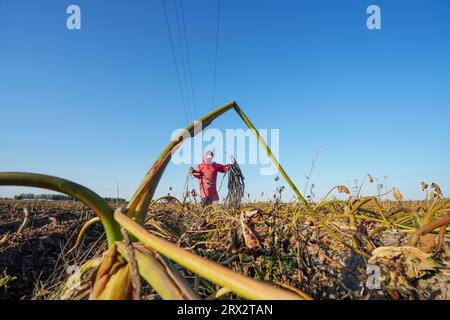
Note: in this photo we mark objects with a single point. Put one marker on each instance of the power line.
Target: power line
(188, 59)
(183, 65)
(175, 62)
(217, 47)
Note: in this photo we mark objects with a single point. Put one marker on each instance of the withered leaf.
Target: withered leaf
(436, 188)
(343, 189)
(397, 195)
(252, 214)
(251, 236)
(424, 185)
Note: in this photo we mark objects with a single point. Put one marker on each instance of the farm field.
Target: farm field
(211, 157)
(281, 244)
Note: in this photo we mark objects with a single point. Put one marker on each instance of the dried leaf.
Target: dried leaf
(408, 260)
(424, 185)
(436, 188)
(397, 195)
(343, 189)
(251, 237)
(252, 215)
(427, 243)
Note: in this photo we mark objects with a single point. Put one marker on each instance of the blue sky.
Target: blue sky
(97, 105)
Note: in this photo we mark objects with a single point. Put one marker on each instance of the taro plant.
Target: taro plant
(117, 275)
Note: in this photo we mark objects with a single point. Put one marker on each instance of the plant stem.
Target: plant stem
(83, 194)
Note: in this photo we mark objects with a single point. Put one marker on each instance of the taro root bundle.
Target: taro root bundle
(236, 186)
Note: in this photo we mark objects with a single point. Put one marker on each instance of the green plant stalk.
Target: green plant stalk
(243, 286)
(165, 197)
(360, 187)
(337, 238)
(360, 204)
(380, 211)
(82, 232)
(319, 205)
(83, 194)
(433, 210)
(383, 194)
(428, 228)
(270, 154)
(351, 214)
(25, 221)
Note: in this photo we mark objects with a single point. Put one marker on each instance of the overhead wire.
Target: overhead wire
(182, 57)
(180, 88)
(194, 104)
(184, 68)
(217, 51)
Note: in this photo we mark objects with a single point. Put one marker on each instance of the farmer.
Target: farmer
(206, 173)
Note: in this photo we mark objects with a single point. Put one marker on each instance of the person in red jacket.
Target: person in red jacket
(206, 173)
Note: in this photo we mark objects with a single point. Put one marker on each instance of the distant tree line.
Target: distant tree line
(107, 199)
(32, 196)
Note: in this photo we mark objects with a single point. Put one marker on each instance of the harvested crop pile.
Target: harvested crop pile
(236, 186)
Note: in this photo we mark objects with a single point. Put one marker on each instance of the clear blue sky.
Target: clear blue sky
(97, 105)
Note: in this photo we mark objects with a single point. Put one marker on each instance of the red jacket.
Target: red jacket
(207, 176)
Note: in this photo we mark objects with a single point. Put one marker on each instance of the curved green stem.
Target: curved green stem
(360, 187)
(433, 210)
(165, 197)
(82, 232)
(83, 194)
(324, 198)
(428, 228)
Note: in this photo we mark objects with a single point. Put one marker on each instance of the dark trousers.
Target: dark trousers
(204, 202)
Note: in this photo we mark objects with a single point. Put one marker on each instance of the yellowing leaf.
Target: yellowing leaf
(113, 279)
